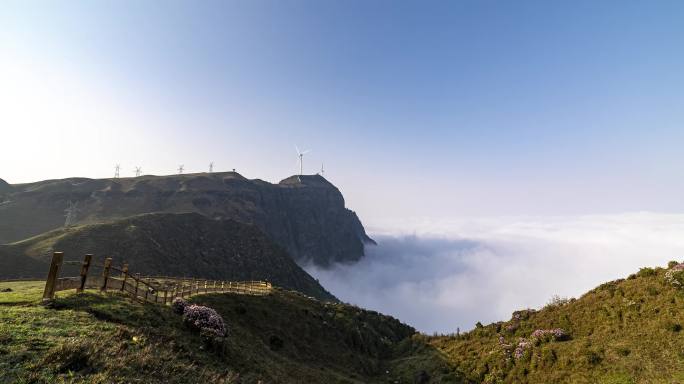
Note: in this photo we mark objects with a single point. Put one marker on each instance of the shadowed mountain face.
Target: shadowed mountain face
(4, 187)
(167, 244)
(305, 215)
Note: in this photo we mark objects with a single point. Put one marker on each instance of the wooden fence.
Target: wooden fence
(155, 289)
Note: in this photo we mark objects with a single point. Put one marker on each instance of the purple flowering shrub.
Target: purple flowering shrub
(205, 319)
(523, 344)
(178, 305)
(555, 334)
(537, 337)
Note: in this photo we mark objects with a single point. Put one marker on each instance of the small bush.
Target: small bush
(675, 277)
(557, 301)
(556, 334)
(592, 357)
(623, 351)
(178, 305)
(523, 345)
(672, 263)
(672, 326)
(645, 272)
(276, 343)
(205, 319)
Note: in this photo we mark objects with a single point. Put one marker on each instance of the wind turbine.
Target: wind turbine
(301, 154)
(138, 171)
(116, 171)
(211, 167)
(180, 169)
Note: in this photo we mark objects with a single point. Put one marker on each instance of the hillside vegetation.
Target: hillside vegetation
(166, 244)
(280, 338)
(624, 331)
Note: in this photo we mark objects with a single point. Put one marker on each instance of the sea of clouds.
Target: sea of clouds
(440, 275)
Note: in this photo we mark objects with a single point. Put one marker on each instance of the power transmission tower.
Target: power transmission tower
(71, 212)
(211, 167)
(180, 169)
(138, 171)
(116, 171)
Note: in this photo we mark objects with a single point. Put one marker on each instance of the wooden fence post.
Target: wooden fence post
(147, 289)
(105, 273)
(165, 295)
(124, 275)
(137, 280)
(53, 273)
(84, 271)
(206, 284)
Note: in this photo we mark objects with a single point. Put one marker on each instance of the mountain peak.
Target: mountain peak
(307, 180)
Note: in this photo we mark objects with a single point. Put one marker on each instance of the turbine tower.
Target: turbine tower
(71, 211)
(211, 167)
(300, 155)
(322, 170)
(180, 169)
(138, 171)
(116, 171)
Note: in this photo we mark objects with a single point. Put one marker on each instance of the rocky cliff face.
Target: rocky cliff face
(306, 215)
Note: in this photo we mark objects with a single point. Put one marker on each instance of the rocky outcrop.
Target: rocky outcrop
(306, 215)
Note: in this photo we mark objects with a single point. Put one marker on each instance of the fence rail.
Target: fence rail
(155, 289)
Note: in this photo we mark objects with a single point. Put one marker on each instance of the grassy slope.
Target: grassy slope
(97, 338)
(626, 331)
(167, 244)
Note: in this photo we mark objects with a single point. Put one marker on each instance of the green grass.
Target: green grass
(108, 338)
(626, 331)
(623, 332)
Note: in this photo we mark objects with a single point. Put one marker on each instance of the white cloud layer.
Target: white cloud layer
(440, 275)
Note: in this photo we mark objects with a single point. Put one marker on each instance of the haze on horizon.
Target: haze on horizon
(431, 109)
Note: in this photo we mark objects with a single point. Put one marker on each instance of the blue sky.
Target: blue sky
(437, 108)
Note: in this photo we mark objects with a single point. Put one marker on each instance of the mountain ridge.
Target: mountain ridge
(304, 214)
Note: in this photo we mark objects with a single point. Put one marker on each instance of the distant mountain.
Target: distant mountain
(167, 244)
(304, 214)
